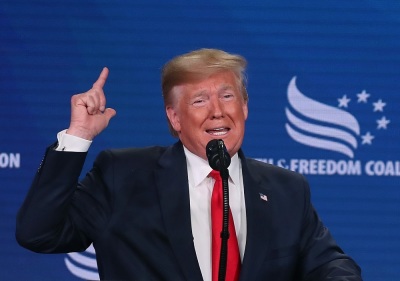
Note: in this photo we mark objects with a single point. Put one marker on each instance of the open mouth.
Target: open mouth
(218, 131)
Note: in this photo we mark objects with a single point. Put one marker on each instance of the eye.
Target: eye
(199, 102)
(228, 96)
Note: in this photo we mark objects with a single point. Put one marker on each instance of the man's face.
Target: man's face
(211, 109)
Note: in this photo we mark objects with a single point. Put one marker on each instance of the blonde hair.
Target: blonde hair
(197, 66)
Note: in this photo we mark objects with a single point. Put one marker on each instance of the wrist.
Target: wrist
(79, 134)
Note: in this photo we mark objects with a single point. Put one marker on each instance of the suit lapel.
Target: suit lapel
(172, 185)
(259, 219)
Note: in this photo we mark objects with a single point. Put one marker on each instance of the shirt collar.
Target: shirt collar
(199, 169)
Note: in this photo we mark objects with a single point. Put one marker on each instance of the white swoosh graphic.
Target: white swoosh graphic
(319, 112)
(322, 130)
(81, 272)
(83, 266)
(84, 260)
(90, 250)
(319, 143)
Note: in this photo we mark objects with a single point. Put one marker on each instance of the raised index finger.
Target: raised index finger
(102, 79)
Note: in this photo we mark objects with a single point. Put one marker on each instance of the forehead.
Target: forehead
(220, 81)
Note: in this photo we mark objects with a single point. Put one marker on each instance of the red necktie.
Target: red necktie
(233, 260)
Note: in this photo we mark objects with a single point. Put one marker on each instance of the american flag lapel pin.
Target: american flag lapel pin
(263, 197)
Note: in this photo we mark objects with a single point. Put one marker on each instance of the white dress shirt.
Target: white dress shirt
(200, 190)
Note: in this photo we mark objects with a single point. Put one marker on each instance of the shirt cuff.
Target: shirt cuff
(72, 143)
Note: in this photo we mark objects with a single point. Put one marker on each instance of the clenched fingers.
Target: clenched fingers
(89, 102)
(94, 101)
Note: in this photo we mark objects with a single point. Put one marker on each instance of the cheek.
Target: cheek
(238, 114)
(193, 118)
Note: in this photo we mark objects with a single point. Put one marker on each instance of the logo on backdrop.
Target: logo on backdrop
(333, 128)
(83, 265)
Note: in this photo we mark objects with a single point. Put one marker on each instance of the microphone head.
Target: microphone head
(217, 155)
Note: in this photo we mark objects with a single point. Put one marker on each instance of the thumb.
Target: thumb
(109, 113)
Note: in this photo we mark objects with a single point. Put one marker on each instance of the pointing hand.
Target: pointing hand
(89, 115)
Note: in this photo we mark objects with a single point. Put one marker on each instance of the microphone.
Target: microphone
(219, 159)
(217, 154)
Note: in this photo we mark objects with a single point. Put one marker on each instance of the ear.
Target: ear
(173, 118)
(245, 110)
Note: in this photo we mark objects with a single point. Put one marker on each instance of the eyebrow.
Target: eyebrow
(226, 87)
(223, 88)
(198, 94)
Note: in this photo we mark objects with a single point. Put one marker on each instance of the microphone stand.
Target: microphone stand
(225, 217)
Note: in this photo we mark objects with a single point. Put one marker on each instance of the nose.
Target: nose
(216, 108)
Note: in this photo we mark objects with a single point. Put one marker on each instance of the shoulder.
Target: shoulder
(134, 152)
(123, 157)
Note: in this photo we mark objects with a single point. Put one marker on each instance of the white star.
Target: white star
(382, 123)
(343, 101)
(367, 138)
(378, 106)
(363, 96)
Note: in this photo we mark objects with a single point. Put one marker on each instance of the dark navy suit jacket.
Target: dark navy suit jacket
(134, 207)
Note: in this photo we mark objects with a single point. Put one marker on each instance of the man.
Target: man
(147, 211)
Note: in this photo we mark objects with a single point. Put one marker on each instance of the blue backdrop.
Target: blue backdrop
(324, 98)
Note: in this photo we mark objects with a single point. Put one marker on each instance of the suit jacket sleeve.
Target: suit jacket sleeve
(46, 221)
(322, 258)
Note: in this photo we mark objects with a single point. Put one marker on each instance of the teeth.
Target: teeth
(218, 131)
